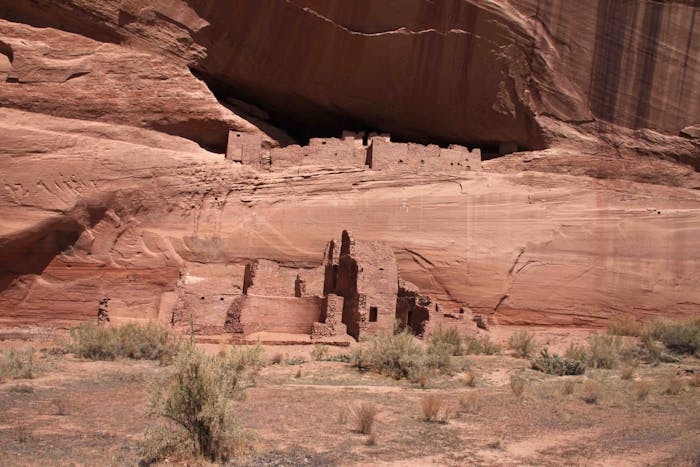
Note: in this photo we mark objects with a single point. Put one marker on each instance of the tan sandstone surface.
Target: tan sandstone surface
(109, 185)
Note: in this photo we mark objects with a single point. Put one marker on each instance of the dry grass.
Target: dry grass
(641, 390)
(695, 381)
(625, 325)
(17, 364)
(59, 406)
(568, 388)
(469, 379)
(523, 342)
(591, 392)
(674, 386)
(149, 342)
(365, 415)
(480, 345)
(517, 385)
(627, 373)
(320, 352)
(434, 410)
(468, 404)
(604, 351)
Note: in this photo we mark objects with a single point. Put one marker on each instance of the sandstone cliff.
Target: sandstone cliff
(109, 185)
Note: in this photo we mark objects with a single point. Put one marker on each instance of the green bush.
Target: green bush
(553, 364)
(149, 342)
(195, 406)
(401, 356)
(603, 351)
(480, 345)
(523, 342)
(679, 336)
(17, 364)
(448, 339)
(319, 353)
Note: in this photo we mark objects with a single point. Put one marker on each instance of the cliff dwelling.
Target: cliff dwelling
(356, 290)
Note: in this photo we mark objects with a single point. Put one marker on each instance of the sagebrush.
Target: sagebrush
(195, 410)
(17, 364)
(401, 356)
(554, 364)
(151, 341)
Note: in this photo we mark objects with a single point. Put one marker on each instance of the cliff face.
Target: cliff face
(109, 186)
(453, 71)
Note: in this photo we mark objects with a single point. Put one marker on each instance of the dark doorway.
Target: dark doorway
(373, 314)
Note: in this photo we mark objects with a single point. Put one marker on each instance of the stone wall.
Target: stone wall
(383, 154)
(293, 315)
(368, 280)
(351, 151)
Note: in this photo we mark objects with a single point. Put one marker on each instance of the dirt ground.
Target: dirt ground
(77, 412)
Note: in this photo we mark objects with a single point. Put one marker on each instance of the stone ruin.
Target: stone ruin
(356, 291)
(376, 152)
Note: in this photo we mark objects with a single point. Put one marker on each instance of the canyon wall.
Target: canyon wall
(112, 175)
(453, 71)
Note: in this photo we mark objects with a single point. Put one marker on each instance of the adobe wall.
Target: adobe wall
(205, 293)
(333, 152)
(245, 148)
(350, 151)
(265, 277)
(294, 315)
(383, 154)
(367, 278)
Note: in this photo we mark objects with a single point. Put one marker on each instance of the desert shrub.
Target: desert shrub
(674, 385)
(149, 342)
(604, 351)
(624, 325)
(365, 414)
(568, 388)
(434, 410)
(439, 357)
(276, 359)
(195, 406)
(17, 364)
(650, 349)
(517, 385)
(59, 406)
(291, 361)
(627, 373)
(400, 356)
(695, 381)
(553, 364)
(448, 340)
(523, 342)
(341, 358)
(576, 352)
(591, 391)
(320, 352)
(641, 390)
(469, 379)
(468, 404)
(679, 336)
(480, 345)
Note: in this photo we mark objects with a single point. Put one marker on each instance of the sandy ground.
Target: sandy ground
(77, 412)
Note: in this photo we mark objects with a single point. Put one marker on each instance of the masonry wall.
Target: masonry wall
(385, 155)
(280, 314)
(367, 278)
(245, 148)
